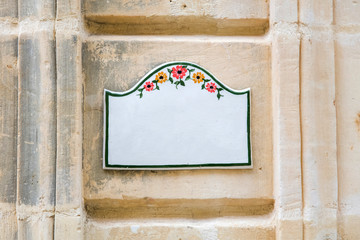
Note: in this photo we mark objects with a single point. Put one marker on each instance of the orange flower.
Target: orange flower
(161, 77)
(198, 77)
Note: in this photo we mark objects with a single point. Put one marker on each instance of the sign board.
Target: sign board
(178, 116)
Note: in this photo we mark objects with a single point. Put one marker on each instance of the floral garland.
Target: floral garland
(179, 72)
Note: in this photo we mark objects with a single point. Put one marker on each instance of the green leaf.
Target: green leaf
(220, 89)
(169, 70)
(157, 87)
(191, 70)
(187, 78)
(184, 66)
(155, 81)
(140, 95)
(177, 83)
(203, 86)
(182, 83)
(171, 80)
(206, 80)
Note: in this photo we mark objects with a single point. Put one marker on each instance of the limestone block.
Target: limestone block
(37, 9)
(8, 222)
(35, 227)
(225, 229)
(316, 13)
(8, 135)
(8, 8)
(348, 132)
(68, 227)
(150, 208)
(215, 8)
(215, 17)
(283, 11)
(37, 133)
(66, 8)
(69, 121)
(8, 120)
(69, 137)
(117, 64)
(347, 13)
(287, 138)
(318, 125)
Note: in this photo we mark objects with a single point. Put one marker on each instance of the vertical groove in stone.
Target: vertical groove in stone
(69, 138)
(286, 114)
(287, 138)
(29, 127)
(69, 121)
(318, 121)
(347, 74)
(319, 139)
(8, 135)
(69, 206)
(37, 135)
(37, 120)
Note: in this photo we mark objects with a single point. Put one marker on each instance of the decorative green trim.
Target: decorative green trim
(108, 93)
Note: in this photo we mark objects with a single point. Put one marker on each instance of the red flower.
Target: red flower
(211, 87)
(149, 86)
(178, 72)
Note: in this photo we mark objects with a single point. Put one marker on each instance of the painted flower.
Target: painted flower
(178, 72)
(161, 77)
(211, 87)
(149, 86)
(198, 77)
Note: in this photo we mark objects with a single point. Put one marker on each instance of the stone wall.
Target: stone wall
(300, 58)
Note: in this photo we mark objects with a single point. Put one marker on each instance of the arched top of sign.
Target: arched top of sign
(177, 116)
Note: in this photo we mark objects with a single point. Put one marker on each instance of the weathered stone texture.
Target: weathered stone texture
(9, 8)
(348, 132)
(316, 13)
(8, 120)
(283, 11)
(318, 121)
(69, 113)
(8, 135)
(37, 123)
(226, 229)
(287, 137)
(37, 135)
(319, 156)
(213, 8)
(37, 9)
(215, 17)
(69, 137)
(347, 14)
(68, 8)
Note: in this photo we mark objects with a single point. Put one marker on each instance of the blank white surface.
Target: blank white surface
(184, 126)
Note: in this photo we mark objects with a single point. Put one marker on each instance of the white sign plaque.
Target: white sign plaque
(178, 116)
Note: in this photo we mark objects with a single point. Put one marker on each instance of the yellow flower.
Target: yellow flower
(198, 77)
(161, 77)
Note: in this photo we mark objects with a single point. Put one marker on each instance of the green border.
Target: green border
(147, 76)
